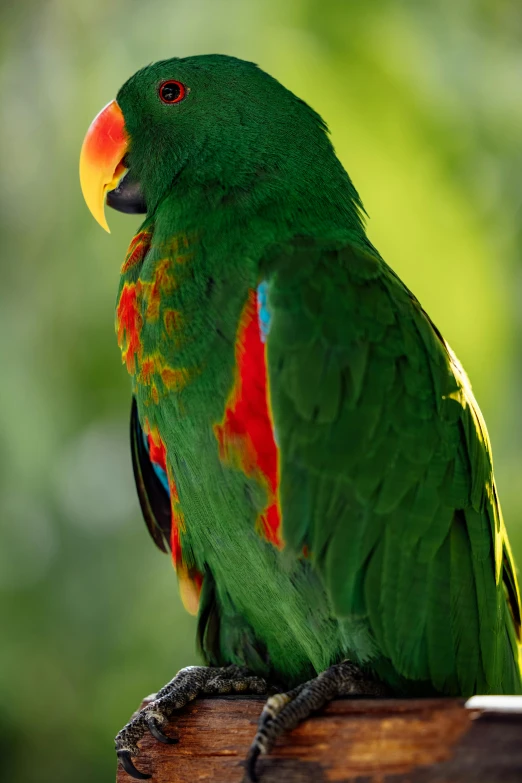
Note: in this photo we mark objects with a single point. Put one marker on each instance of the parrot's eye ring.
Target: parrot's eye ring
(172, 91)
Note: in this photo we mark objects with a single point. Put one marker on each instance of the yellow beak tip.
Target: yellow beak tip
(103, 223)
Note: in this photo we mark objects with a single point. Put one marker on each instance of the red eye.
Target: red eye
(172, 91)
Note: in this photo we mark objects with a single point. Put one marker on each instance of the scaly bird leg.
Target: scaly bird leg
(285, 711)
(187, 685)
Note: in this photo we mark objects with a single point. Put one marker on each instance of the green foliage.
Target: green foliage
(426, 116)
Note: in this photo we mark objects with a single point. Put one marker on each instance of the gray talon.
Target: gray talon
(251, 774)
(128, 765)
(157, 733)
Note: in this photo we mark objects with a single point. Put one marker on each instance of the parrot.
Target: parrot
(305, 443)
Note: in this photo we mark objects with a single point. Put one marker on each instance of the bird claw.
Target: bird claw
(157, 733)
(128, 765)
(187, 685)
(284, 711)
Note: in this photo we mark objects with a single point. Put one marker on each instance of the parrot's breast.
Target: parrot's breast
(209, 437)
(244, 437)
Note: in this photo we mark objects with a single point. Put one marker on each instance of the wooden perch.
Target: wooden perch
(392, 741)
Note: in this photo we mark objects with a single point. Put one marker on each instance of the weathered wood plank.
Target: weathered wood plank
(419, 741)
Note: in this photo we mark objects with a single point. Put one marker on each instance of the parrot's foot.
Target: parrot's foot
(285, 711)
(187, 685)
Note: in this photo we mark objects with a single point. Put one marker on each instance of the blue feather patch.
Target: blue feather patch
(158, 470)
(262, 310)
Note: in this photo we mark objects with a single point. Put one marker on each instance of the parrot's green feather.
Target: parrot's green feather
(329, 470)
(442, 660)
(407, 507)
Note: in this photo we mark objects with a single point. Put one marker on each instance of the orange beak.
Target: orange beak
(101, 159)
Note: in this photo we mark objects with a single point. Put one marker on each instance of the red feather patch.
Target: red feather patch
(158, 456)
(129, 323)
(190, 579)
(246, 434)
(138, 249)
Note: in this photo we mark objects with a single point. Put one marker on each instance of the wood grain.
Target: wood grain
(384, 741)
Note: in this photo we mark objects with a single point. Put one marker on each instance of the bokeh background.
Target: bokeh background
(424, 105)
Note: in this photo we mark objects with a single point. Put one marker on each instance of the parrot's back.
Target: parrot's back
(379, 430)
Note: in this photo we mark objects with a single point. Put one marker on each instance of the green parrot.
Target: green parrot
(304, 441)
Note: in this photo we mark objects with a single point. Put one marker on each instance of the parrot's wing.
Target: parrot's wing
(385, 471)
(152, 490)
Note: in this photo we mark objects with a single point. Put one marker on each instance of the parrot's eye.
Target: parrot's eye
(172, 91)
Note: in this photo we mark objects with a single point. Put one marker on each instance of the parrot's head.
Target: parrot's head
(208, 120)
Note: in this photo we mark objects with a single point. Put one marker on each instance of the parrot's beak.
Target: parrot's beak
(102, 159)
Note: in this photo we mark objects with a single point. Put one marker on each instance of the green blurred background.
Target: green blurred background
(423, 101)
